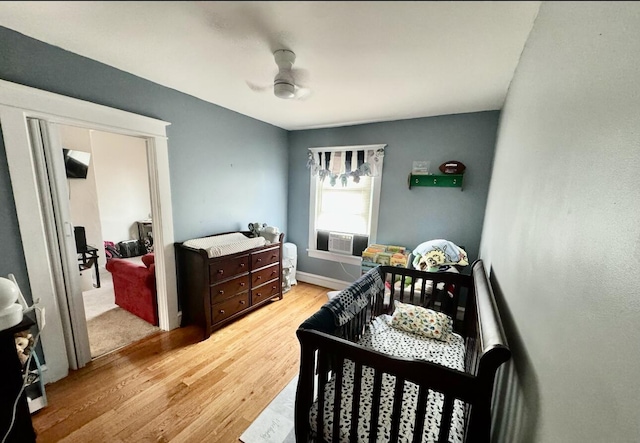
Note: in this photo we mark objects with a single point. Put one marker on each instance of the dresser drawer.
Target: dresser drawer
(264, 275)
(224, 310)
(265, 258)
(224, 290)
(227, 268)
(265, 292)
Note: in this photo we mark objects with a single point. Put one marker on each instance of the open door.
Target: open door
(61, 248)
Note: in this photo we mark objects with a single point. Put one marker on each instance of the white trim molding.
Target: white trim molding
(320, 280)
(17, 103)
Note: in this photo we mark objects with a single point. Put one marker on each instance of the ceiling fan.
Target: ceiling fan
(285, 84)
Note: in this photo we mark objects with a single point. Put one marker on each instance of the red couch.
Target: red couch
(135, 287)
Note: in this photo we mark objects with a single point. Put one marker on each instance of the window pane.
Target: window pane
(344, 209)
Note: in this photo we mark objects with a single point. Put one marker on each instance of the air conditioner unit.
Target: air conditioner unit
(340, 243)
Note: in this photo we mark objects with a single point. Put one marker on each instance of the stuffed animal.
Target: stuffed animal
(438, 256)
(255, 229)
(24, 341)
(434, 254)
(270, 233)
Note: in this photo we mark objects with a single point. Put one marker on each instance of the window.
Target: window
(343, 199)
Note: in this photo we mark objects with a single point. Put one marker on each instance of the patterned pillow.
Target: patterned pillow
(422, 321)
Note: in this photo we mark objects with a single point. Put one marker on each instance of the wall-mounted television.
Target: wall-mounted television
(76, 163)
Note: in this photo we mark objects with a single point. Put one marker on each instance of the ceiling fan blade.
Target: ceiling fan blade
(301, 76)
(259, 88)
(302, 93)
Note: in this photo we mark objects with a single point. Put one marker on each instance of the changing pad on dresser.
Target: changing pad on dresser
(225, 244)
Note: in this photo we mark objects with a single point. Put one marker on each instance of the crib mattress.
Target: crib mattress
(219, 245)
(382, 337)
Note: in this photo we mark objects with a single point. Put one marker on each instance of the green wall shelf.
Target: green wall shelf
(438, 181)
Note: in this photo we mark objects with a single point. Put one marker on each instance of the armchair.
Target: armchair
(135, 287)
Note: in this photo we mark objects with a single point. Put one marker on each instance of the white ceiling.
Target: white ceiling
(365, 61)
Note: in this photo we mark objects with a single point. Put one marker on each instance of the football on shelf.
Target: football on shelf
(452, 167)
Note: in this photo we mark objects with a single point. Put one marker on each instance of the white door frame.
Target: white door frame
(17, 103)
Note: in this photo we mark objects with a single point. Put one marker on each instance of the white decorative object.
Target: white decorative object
(270, 234)
(10, 311)
(421, 168)
(344, 163)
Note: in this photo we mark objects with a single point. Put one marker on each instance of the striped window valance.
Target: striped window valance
(346, 162)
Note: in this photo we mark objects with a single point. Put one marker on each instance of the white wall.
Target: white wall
(562, 228)
(122, 180)
(83, 194)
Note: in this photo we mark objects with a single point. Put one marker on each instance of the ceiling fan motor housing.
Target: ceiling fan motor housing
(283, 84)
(284, 90)
(284, 58)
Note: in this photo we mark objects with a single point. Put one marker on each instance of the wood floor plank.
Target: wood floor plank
(173, 387)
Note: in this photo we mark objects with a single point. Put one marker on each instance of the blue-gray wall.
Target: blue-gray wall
(226, 169)
(11, 255)
(407, 217)
(562, 235)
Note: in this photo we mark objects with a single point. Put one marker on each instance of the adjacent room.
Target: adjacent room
(319, 221)
(110, 208)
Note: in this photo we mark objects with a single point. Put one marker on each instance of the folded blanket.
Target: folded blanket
(356, 297)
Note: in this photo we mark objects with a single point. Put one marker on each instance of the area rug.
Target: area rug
(275, 424)
(114, 329)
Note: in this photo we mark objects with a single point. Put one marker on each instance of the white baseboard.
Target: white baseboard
(320, 280)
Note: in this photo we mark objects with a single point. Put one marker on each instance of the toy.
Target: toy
(432, 255)
(255, 229)
(452, 167)
(270, 233)
(438, 256)
(24, 340)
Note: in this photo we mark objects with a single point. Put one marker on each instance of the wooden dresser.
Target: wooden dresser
(215, 291)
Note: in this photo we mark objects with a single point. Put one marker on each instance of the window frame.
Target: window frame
(376, 185)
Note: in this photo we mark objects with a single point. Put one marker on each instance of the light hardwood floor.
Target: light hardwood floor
(173, 387)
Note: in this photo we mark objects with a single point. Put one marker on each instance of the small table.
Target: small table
(87, 258)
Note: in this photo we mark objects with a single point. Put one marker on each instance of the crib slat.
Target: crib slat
(337, 400)
(454, 309)
(412, 288)
(375, 406)
(322, 383)
(445, 419)
(353, 334)
(355, 405)
(397, 408)
(426, 299)
(405, 294)
(421, 410)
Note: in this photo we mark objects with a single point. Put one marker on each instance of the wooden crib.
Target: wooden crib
(384, 397)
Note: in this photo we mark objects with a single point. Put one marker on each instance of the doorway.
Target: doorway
(19, 103)
(110, 208)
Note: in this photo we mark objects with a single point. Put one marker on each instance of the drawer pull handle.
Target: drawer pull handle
(242, 284)
(220, 271)
(259, 260)
(259, 277)
(242, 302)
(222, 311)
(274, 256)
(259, 294)
(220, 292)
(242, 265)
(274, 287)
